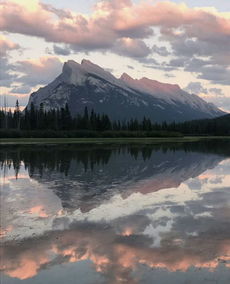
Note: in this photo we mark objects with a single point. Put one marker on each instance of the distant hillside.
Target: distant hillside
(215, 126)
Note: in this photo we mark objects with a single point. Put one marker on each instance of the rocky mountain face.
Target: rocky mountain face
(87, 84)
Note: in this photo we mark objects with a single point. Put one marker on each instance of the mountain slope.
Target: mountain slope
(87, 84)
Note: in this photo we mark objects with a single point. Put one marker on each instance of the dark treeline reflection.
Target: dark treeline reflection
(58, 158)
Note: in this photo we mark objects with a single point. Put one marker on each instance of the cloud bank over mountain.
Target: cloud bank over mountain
(163, 36)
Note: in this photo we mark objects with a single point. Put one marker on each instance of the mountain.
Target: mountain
(87, 84)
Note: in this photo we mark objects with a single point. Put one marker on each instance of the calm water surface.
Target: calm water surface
(116, 214)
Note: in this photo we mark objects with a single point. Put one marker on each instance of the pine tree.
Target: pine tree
(17, 116)
(67, 123)
(93, 120)
(86, 124)
(105, 122)
(33, 117)
(41, 117)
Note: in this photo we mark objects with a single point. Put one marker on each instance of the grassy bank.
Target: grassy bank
(149, 140)
(85, 134)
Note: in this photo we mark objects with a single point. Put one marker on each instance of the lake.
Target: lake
(116, 213)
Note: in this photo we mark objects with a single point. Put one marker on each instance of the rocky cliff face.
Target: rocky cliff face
(87, 84)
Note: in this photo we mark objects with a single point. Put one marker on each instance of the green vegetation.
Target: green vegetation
(58, 123)
(37, 123)
(84, 134)
(110, 141)
(215, 126)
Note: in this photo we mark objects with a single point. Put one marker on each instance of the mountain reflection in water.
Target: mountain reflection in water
(116, 214)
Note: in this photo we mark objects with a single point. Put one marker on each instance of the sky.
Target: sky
(179, 42)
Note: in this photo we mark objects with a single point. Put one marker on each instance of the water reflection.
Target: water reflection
(118, 214)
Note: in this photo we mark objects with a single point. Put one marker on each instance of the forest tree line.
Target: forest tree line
(61, 120)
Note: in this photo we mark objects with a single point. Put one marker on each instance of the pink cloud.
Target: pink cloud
(48, 24)
(7, 45)
(131, 47)
(39, 71)
(109, 19)
(6, 76)
(121, 26)
(31, 72)
(119, 254)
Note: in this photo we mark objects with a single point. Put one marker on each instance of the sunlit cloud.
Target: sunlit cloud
(161, 35)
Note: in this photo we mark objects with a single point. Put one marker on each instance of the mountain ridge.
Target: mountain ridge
(87, 84)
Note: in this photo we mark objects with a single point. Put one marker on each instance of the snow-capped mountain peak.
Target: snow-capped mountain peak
(88, 84)
(81, 72)
(74, 73)
(92, 68)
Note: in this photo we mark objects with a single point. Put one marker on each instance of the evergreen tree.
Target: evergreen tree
(17, 116)
(105, 122)
(86, 122)
(67, 119)
(93, 122)
(33, 117)
(41, 117)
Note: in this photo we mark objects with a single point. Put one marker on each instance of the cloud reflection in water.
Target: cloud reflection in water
(171, 219)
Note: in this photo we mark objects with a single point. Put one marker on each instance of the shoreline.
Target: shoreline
(147, 140)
